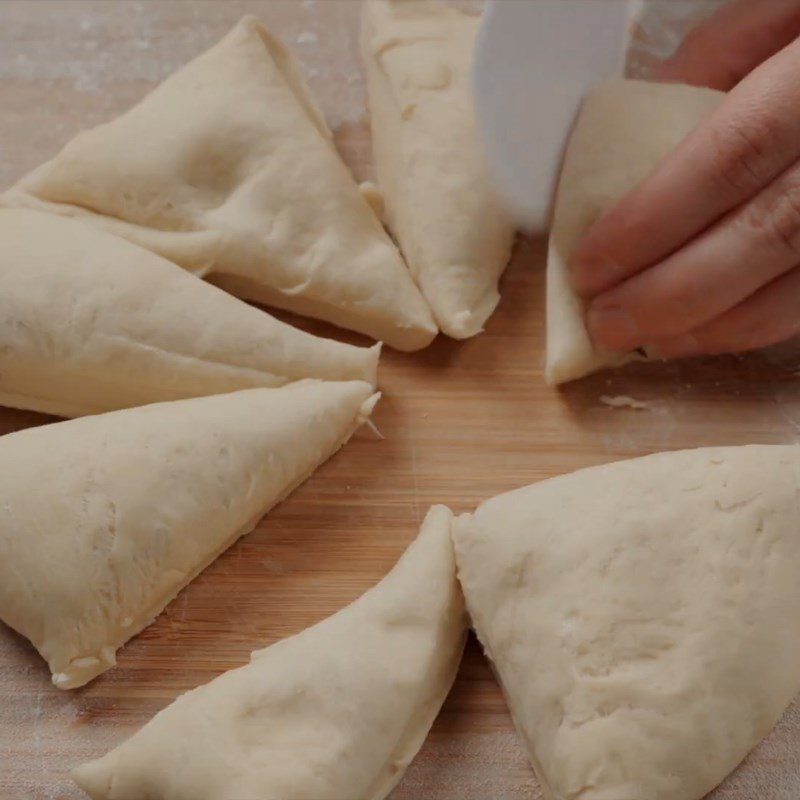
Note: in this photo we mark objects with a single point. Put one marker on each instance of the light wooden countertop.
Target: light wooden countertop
(462, 422)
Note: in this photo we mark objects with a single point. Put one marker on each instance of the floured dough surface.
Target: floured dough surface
(91, 323)
(334, 713)
(228, 169)
(624, 129)
(438, 201)
(104, 519)
(642, 616)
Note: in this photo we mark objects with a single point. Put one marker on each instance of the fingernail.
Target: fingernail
(613, 327)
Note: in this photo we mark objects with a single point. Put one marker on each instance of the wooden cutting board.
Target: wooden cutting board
(462, 421)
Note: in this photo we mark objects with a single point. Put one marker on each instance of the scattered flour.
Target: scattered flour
(307, 37)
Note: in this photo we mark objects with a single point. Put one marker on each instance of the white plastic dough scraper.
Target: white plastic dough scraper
(534, 61)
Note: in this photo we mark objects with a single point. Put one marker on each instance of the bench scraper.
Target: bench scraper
(534, 61)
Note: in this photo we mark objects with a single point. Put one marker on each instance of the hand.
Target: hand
(704, 256)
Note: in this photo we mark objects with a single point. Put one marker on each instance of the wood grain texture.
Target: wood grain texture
(462, 421)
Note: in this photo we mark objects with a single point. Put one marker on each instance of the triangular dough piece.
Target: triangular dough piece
(334, 713)
(104, 519)
(624, 129)
(229, 170)
(643, 617)
(92, 323)
(438, 202)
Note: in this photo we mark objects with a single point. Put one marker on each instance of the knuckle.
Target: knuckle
(743, 153)
(777, 219)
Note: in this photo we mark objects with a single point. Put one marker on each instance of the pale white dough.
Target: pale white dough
(92, 323)
(334, 713)
(229, 170)
(104, 519)
(624, 129)
(438, 202)
(643, 617)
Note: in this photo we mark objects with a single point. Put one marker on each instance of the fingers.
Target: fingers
(740, 148)
(731, 43)
(768, 317)
(747, 249)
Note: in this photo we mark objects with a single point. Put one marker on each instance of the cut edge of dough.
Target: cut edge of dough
(420, 725)
(463, 521)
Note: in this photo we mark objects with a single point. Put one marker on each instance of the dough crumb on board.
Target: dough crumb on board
(624, 401)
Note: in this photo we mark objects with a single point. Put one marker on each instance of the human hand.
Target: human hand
(704, 256)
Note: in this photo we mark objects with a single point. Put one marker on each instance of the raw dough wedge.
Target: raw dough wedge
(104, 519)
(438, 202)
(334, 713)
(624, 129)
(229, 170)
(92, 323)
(643, 617)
